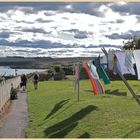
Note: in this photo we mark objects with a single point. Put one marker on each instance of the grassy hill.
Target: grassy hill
(54, 111)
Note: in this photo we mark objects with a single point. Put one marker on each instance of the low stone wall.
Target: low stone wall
(5, 88)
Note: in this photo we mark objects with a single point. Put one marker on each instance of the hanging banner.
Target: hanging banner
(94, 79)
(93, 83)
(77, 79)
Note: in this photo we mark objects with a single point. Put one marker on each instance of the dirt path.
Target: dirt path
(16, 121)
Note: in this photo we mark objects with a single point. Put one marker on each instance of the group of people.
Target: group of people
(23, 83)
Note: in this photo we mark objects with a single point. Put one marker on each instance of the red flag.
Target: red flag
(93, 82)
(76, 72)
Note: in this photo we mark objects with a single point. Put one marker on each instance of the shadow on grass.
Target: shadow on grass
(56, 108)
(132, 131)
(85, 135)
(61, 129)
(50, 118)
(136, 85)
(89, 90)
(138, 95)
(116, 92)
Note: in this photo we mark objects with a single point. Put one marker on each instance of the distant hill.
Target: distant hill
(38, 62)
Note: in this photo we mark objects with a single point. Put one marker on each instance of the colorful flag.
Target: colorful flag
(103, 75)
(76, 72)
(93, 82)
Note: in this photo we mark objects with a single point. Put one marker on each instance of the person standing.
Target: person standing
(35, 80)
(52, 76)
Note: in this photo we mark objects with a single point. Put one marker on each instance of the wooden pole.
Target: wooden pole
(106, 54)
(78, 89)
(104, 51)
(128, 86)
(75, 81)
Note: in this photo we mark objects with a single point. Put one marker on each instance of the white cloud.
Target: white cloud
(54, 52)
(121, 3)
(69, 7)
(59, 29)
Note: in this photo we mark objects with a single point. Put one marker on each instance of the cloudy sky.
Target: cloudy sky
(63, 29)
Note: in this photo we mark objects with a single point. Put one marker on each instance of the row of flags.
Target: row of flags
(123, 63)
(93, 72)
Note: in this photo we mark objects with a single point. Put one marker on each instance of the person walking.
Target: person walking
(35, 80)
(23, 82)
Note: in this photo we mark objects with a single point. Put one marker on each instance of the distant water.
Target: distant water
(7, 71)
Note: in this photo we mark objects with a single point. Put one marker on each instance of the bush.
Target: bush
(13, 94)
(57, 69)
(83, 73)
(59, 75)
(51, 70)
(44, 76)
(68, 70)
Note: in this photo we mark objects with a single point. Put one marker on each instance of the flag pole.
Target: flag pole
(75, 81)
(78, 89)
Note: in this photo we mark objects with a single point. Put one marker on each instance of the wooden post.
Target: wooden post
(75, 81)
(128, 86)
(77, 78)
(78, 89)
(106, 54)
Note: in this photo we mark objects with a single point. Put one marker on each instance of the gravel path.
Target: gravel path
(16, 121)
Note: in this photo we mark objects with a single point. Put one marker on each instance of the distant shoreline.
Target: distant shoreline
(39, 62)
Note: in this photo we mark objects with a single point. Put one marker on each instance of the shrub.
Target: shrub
(13, 94)
(59, 75)
(44, 76)
(83, 74)
(68, 70)
(57, 69)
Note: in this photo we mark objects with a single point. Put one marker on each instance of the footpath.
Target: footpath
(15, 122)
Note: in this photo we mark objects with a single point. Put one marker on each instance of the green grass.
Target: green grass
(54, 111)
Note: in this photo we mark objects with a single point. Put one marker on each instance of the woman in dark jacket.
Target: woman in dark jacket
(23, 81)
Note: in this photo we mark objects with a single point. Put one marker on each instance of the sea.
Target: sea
(7, 71)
